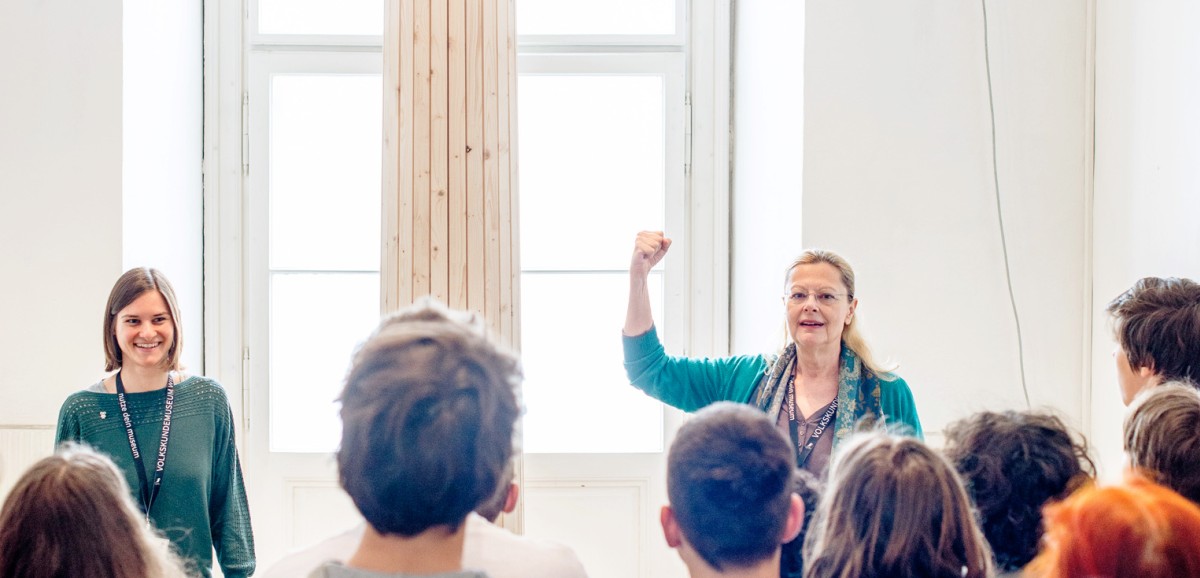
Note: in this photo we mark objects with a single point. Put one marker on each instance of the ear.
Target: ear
(510, 501)
(850, 314)
(670, 527)
(795, 519)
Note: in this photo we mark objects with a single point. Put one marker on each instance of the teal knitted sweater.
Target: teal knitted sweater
(202, 502)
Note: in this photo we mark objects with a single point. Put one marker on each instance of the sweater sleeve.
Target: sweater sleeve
(228, 508)
(899, 407)
(689, 383)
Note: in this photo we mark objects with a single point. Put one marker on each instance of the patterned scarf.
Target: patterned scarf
(858, 390)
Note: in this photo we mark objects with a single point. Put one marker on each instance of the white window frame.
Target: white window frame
(706, 226)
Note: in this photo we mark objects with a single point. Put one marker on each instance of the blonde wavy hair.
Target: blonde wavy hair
(850, 335)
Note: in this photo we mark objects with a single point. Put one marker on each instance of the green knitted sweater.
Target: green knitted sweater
(202, 502)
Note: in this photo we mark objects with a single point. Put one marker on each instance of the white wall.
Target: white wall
(1147, 208)
(767, 150)
(60, 198)
(161, 154)
(898, 178)
(99, 170)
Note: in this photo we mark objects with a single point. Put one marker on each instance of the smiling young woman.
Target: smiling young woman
(194, 492)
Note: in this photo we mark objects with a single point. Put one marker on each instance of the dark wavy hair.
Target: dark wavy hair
(1013, 463)
(1157, 323)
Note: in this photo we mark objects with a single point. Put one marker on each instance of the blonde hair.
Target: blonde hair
(895, 508)
(71, 514)
(850, 335)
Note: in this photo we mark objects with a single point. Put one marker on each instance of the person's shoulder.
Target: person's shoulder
(202, 387)
(86, 398)
(303, 562)
(503, 554)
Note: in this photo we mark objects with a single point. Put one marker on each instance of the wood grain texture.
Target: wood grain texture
(450, 198)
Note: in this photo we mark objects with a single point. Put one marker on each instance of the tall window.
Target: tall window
(601, 125)
(314, 100)
(601, 120)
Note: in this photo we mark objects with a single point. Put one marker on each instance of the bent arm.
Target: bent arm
(900, 408)
(689, 383)
(649, 248)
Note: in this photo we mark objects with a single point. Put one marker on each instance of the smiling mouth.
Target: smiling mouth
(811, 324)
(147, 345)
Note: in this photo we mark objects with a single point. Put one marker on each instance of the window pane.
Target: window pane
(325, 155)
(592, 167)
(312, 338)
(577, 397)
(596, 17)
(351, 17)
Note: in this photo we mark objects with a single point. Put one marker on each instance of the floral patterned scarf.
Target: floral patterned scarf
(858, 390)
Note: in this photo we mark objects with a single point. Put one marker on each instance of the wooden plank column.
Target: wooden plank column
(450, 173)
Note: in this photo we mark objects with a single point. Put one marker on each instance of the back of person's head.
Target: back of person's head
(809, 489)
(71, 515)
(1012, 463)
(1157, 323)
(1162, 437)
(729, 480)
(428, 414)
(1136, 530)
(895, 508)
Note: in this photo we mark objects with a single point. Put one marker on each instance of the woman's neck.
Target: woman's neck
(817, 365)
(139, 379)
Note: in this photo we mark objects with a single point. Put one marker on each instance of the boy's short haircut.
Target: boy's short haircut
(428, 414)
(729, 479)
(1157, 323)
(1162, 437)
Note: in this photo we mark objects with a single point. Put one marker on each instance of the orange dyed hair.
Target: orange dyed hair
(1134, 530)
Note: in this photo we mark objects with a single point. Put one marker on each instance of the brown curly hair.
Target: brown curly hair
(1012, 463)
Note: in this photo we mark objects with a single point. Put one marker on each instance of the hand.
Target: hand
(648, 249)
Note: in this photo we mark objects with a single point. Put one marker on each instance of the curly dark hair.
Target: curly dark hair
(1157, 323)
(1012, 463)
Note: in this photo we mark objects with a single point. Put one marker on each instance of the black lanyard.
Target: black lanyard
(148, 493)
(805, 452)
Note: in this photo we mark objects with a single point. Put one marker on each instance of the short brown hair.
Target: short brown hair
(1162, 437)
(133, 284)
(729, 479)
(1157, 323)
(71, 514)
(428, 416)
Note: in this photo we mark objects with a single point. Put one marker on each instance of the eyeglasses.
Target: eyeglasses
(823, 296)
